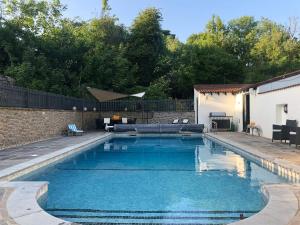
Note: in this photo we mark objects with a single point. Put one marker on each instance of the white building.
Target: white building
(265, 103)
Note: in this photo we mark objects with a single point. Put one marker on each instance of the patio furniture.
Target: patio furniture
(277, 133)
(286, 129)
(282, 132)
(196, 128)
(185, 121)
(295, 136)
(159, 128)
(108, 126)
(124, 120)
(148, 128)
(72, 129)
(132, 121)
(176, 121)
(253, 127)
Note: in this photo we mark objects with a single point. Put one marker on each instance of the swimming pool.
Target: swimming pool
(154, 180)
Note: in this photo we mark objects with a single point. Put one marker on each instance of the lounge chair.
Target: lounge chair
(72, 129)
(108, 125)
(176, 121)
(124, 120)
(185, 121)
(295, 136)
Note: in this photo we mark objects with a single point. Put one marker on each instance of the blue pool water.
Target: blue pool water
(154, 181)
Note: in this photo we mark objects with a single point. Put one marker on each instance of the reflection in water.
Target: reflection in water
(215, 157)
(114, 147)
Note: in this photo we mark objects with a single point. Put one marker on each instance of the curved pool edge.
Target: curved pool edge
(282, 206)
(23, 208)
(22, 205)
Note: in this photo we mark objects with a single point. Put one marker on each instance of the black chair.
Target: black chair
(277, 133)
(290, 124)
(282, 132)
(295, 136)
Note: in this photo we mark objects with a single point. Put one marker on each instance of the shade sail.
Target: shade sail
(103, 96)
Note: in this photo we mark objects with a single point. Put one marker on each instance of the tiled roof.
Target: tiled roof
(220, 88)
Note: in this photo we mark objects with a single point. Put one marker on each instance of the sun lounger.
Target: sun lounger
(176, 121)
(108, 126)
(124, 120)
(185, 121)
(72, 129)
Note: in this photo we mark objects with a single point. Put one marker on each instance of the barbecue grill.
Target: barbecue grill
(219, 121)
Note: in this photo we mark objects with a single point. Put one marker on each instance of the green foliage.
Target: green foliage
(145, 44)
(158, 89)
(44, 51)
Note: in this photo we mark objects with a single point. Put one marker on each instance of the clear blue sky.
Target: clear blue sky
(184, 17)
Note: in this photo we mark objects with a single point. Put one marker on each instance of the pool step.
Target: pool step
(154, 217)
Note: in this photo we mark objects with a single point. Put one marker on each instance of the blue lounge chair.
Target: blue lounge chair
(72, 129)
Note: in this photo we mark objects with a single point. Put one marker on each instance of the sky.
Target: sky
(185, 17)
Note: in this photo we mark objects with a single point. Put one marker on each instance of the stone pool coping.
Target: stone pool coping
(31, 165)
(279, 166)
(23, 209)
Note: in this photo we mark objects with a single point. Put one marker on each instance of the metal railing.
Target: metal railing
(13, 96)
(168, 105)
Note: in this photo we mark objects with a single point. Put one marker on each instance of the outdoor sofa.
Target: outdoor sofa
(159, 128)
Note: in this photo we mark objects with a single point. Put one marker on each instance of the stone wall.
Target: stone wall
(168, 117)
(20, 126)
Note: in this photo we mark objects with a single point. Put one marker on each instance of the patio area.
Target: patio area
(280, 153)
(13, 156)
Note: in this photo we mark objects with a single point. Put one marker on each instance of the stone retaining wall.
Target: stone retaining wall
(19, 126)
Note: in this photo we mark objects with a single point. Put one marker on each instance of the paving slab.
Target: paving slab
(280, 153)
(13, 156)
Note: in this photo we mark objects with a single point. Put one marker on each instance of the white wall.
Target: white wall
(264, 108)
(231, 104)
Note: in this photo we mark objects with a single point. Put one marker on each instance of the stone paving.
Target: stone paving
(254, 144)
(13, 156)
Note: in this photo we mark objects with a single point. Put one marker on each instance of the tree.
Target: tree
(105, 8)
(145, 44)
(158, 89)
(274, 52)
(44, 51)
(213, 35)
(241, 37)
